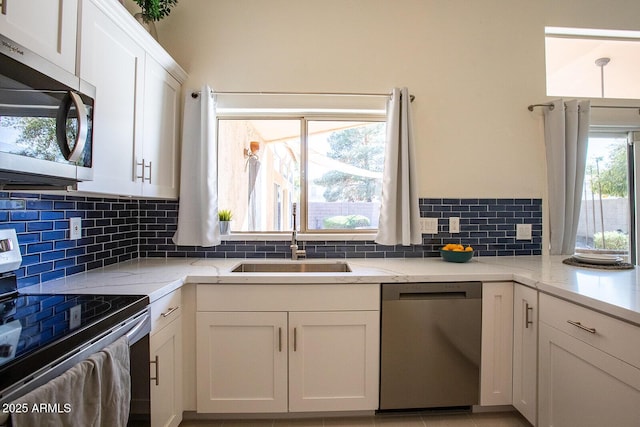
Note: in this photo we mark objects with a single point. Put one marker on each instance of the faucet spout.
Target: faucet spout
(295, 252)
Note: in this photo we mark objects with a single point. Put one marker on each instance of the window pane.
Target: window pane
(258, 172)
(345, 163)
(604, 216)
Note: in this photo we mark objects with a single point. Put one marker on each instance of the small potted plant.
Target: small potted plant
(153, 10)
(224, 218)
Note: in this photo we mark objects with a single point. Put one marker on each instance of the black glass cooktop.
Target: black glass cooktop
(36, 329)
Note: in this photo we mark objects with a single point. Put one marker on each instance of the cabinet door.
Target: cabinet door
(114, 64)
(241, 361)
(580, 385)
(333, 361)
(497, 344)
(525, 351)
(166, 374)
(160, 132)
(48, 28)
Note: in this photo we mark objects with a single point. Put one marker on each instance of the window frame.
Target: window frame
(632, 173)
(302, 218)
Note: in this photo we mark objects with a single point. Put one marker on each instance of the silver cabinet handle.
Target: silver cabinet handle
(171, 310)
(280, 340)
(581, 326)
(61, 126)
(295, 339)
(149, 177)
(527, 321)
(156, 362)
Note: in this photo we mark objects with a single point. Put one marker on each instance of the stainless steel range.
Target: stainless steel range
(44, 335)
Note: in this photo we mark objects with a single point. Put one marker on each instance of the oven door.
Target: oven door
(137, 329)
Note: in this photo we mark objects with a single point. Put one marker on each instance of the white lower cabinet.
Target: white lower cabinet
(525, 351)
(241, 362)
(329, 361)
(273, 352)
(166, 362)
(588, 368)
(497, 344)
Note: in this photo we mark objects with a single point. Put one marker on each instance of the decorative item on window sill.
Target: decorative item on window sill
(224, 218)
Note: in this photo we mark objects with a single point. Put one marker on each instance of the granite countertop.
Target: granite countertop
(613, 292)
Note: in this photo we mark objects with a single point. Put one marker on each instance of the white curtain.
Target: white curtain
(198, 210)
(399, 211)
(566, 134)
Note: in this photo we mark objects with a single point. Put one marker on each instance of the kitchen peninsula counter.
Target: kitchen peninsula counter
(616, 293)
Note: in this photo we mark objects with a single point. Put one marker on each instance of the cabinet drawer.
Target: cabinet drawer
(294, 297)
(164, 310)
(613, 336)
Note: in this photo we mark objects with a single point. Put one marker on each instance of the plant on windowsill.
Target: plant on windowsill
(224, 218)
(151, 11)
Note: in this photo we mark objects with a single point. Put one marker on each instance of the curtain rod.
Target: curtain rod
(196, 93)
(551, 107)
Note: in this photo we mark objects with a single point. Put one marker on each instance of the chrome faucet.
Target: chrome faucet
(295, 252)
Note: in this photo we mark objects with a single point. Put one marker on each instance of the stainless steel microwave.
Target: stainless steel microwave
(46, 116)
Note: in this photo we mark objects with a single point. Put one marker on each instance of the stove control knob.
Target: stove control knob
(6, 350)
(6, 245)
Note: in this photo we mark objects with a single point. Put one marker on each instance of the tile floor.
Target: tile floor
(495, 419)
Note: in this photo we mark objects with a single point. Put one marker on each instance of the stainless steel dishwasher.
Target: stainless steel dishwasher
(430, 345)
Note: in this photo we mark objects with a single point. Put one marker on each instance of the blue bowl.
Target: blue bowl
(455, 256)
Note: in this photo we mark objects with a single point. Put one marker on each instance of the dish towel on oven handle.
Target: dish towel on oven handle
(95, 392)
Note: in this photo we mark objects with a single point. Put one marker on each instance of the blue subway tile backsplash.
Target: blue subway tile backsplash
(109, 233)
(486, 224)
(116, 230)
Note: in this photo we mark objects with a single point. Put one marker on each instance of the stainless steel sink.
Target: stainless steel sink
(292, 267)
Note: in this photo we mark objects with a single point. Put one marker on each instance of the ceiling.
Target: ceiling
(572, 71)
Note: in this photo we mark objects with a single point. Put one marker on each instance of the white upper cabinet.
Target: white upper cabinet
(157, 156)
(137, 115)
(112, 62)
(47, 28)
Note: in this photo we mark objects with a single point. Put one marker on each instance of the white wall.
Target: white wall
(473, 65)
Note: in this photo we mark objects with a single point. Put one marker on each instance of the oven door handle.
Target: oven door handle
(61, 127)
(143, 325)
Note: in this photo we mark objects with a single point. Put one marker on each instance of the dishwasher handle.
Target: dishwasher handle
(431, 295)
(431, 291)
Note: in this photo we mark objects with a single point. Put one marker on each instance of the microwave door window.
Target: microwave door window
(28, 123)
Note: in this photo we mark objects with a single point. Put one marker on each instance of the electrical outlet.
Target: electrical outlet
(523, 231)
(429, 225)
(454, 224)
(75, 314)
(75, 228)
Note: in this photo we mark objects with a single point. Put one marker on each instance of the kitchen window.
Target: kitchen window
(331, 167)
(606, 222)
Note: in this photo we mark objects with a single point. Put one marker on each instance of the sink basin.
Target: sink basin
(292, 267)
